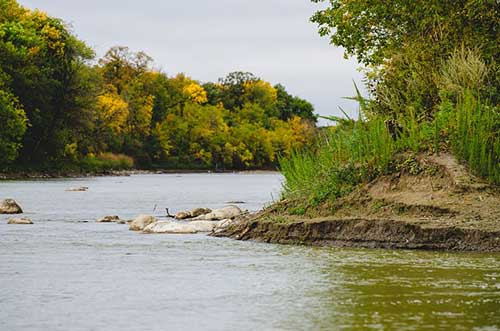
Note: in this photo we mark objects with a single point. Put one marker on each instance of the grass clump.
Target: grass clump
(357, 151)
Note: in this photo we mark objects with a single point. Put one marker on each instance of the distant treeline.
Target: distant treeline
(61, 108)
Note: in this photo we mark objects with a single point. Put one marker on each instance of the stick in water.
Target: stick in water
(168, 213)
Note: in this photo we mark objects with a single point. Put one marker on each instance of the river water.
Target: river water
(67, 272)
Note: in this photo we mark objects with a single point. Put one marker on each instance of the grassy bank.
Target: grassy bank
(357, 151)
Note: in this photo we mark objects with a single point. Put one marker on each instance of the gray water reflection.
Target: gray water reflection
(61, 274)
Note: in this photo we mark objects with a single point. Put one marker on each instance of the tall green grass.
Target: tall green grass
(356, 151)
(475, 138)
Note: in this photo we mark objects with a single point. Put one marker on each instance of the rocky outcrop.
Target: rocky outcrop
(10, 206)
(141, 221)
(19, 221)
(109, 219)
(181, 227)
(221, 214)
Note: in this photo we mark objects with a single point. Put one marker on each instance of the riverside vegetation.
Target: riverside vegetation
(420, 166)
(63, 111)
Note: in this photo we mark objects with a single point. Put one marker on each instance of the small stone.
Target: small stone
(78, 189)
(108, 219)
(200, 211)
(223, 213)
(19, 221)
(120, 221)
(182, 215)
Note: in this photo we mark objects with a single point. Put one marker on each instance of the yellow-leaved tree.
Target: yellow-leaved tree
(112, 110)
(195, 93)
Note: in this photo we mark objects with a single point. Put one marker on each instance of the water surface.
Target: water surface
(67, 272)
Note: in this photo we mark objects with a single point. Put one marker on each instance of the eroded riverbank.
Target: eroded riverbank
(440, 208)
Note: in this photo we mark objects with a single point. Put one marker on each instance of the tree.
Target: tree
(43, 63)
(289, 106)
(233, 88)
(404, 43)
(12, 128)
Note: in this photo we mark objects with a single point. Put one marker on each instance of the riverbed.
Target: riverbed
(67, 272)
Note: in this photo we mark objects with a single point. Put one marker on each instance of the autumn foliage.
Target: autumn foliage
(58, 107)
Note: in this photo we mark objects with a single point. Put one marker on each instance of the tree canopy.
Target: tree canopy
(60, 107)
(403, 44)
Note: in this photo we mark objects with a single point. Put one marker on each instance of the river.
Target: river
(67, 272)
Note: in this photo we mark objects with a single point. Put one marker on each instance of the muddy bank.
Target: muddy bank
(365, 233)
(440, 207)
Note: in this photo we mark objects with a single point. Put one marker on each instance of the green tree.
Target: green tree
(289, 106)
(404, 43)
(12, 128)
(43, 63)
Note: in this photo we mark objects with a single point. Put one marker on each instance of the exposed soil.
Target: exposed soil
(434, 205)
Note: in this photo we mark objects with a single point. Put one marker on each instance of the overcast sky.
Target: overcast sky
(273, 39)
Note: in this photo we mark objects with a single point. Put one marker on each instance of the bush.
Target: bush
(105, 162)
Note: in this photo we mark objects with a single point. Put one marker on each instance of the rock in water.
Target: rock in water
(182, 215)
(10, 206)
(109, 219)
(19, 221)
(200, 211)
(141, 221)
(221, 214)
(120, 221)
(180, 228)
(78, 189)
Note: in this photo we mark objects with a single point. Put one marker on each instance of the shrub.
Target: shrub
(106, 162)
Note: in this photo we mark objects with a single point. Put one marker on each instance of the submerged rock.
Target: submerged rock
(221, 214)
(180, 228)
(78, 189)
(120, 221)
(10, 206)
(109, 219)
(141, 221)
(21, 220)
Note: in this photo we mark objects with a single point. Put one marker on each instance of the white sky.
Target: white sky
(273, 39)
